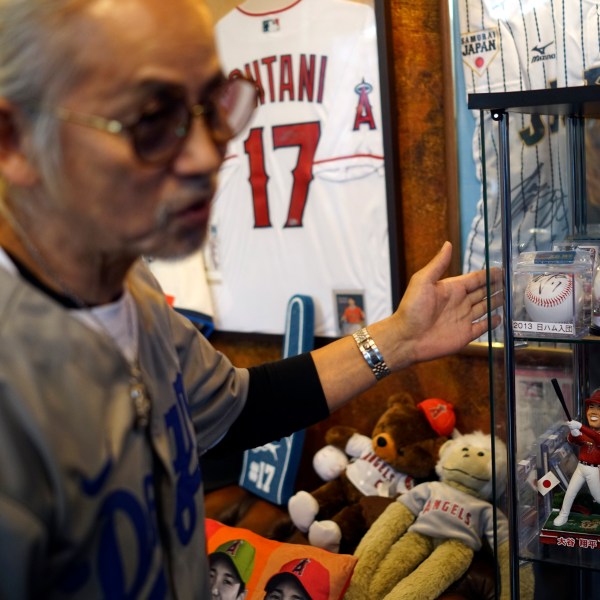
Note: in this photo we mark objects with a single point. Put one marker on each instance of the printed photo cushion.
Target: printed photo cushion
(266, 565)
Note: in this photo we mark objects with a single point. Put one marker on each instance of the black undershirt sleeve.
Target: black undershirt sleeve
(284, 396)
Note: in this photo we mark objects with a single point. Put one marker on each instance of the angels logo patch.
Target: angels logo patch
(479, 48)
(364, 110)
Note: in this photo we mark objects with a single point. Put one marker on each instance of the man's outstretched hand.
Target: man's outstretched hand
(438, 316)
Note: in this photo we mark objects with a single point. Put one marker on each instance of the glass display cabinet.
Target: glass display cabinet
(540, 158)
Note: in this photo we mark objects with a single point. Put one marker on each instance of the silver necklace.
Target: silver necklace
(137, 389)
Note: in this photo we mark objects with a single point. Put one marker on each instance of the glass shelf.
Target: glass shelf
(556, 202)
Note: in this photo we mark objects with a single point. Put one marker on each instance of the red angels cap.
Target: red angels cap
(440, 415)
(594, 398)
(312, 576)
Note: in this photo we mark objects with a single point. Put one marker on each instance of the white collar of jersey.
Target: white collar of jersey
(6, 263)
(118, 319)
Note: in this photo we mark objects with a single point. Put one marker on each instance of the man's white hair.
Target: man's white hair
(37, 64)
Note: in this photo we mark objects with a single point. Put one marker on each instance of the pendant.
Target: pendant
(139, 397)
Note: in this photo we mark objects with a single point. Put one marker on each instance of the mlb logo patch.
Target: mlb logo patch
(270, 25)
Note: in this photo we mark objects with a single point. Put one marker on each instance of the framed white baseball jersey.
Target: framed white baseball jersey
(301, 205)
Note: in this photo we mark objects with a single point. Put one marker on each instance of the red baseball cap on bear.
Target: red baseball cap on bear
(440, 414)
(312, 576)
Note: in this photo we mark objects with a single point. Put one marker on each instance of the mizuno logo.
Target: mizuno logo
(541, 49)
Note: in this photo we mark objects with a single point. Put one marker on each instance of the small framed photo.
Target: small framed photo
(350, 310)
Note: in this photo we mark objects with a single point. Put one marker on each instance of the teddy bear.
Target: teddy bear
(401, 451)
(425, 540)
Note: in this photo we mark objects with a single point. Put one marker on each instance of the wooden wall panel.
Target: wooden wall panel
(418, 71)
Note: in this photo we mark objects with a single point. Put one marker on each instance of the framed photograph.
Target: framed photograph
(350, 310)
(305, 202)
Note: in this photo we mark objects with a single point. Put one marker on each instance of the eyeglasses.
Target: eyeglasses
(159, 133)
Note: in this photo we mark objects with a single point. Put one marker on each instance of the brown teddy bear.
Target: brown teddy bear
(401, 451)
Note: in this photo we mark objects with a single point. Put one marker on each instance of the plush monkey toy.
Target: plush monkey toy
(425, 541)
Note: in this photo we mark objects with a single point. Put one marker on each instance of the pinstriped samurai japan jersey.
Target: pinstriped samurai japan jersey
(301, 205)
(512, 46)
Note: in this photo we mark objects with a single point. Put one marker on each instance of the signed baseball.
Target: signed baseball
(552, 298)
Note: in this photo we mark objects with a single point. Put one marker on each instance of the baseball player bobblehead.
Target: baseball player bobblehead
(301, 205)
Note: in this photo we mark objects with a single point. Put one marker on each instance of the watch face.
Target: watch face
(361, 335)
(371, 353)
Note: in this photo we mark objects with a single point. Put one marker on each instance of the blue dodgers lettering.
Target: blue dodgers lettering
(128, 576)
(150, 498)
(91, 487)
(185, 464)
(121, 509)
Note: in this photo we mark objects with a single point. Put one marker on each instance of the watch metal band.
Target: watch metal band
(371, 353)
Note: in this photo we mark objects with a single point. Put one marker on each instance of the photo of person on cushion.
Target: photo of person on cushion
(299, 579)
(230, 568)
(111, 141)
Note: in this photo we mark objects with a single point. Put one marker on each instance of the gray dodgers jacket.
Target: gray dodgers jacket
(91, 506)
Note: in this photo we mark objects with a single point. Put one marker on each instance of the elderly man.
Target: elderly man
(114, 118)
